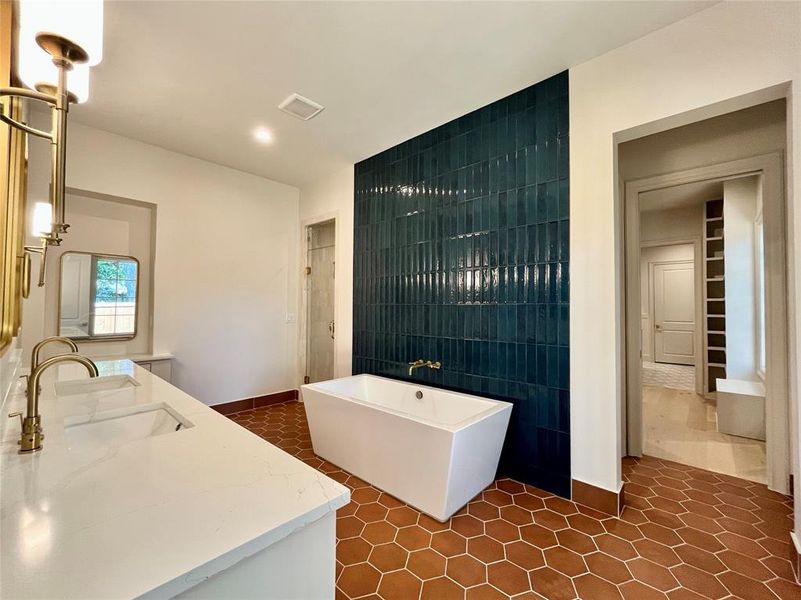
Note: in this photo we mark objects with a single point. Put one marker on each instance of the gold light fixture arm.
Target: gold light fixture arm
(42, 251)
(31, 95)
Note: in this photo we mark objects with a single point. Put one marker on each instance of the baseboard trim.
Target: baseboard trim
(795, 556)
(229, 408)
(597, 498)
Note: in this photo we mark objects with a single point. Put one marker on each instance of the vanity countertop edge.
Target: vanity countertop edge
(152, 517)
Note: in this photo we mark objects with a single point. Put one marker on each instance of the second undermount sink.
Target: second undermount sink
(94, 384)
(118, 427)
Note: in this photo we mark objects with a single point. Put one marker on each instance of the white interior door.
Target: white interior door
(674, 312)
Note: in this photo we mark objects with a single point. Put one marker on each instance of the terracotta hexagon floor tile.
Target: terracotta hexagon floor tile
(413, 537)
(426, 564)
(585, 524)
(780, 566)
(608, 568)
(698, 581)
(784, 589)
(508, 578)
(430, 524)
(402, 516)
(652, 574)
(510, 486)
(467, 571)
(441, 588)
(516, 515)
(744, 587)
(565, 561)
(591, 586)
(388, 557)
(528, 501)
(389, 501)
(371, 512)
(348, 527)
(380, 532)
(485, 549)
(614, 546)
(552, 584)
(701, 559)
(483, 510)
(661, 534)
(634, 590)
(745, 565)
(498, 497)
(448, 543)
(501, 530)
(576, 541)
(359, 580)
(621, 529)
(365, 495)
(485, 592)
(399, 585)
(561, 506)
(467, 526)
(524, 555)
(538, 536)
(701, 523)
(656, 552)
(722, 515)
(551, 520)
(353, 550)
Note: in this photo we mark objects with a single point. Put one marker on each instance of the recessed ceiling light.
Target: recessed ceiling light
(263, 135)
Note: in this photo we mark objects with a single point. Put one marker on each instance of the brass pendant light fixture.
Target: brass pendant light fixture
(66, 31)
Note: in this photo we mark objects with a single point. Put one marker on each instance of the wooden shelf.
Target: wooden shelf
(715, 278)
(709, 258)
(713, 219)
(718, 238)
(718, 348)
(718, 365)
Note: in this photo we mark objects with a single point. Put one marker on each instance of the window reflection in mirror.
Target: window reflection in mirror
(98, 296)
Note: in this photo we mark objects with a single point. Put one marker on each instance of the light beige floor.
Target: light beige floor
(680, 425)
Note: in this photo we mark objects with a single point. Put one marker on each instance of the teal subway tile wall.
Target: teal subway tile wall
(461, 254)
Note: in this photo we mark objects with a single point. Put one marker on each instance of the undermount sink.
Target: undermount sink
(94, 384)
(118, 427)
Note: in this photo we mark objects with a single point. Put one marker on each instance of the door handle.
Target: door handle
(658, 327)
(331, 329)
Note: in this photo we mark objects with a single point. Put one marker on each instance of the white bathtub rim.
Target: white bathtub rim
(498, 405)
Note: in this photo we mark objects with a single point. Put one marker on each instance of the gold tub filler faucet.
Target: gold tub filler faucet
(423, 363)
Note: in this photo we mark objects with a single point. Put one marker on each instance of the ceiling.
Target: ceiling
(681, 196)
(198, 77)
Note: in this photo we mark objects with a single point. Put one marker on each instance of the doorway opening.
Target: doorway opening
(320, 300)
(706, 326)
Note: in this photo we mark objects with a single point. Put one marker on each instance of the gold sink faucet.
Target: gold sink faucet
(32, 435)
(423, 363)
(50, 340)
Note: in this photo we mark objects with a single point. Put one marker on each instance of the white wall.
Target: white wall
(716, 61)
(686, 222)
(226, 266)
(739, 212)
(327, 198)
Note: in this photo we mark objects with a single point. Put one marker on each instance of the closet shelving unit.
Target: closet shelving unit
(714, 296)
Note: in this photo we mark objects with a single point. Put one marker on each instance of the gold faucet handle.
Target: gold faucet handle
(419, 361)
(435, 365)
(17, 414)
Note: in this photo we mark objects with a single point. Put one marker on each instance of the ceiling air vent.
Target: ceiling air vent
(300, 107)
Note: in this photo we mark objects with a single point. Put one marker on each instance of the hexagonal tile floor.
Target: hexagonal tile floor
(685, 533)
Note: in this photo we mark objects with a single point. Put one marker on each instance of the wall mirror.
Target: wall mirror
(98, 296)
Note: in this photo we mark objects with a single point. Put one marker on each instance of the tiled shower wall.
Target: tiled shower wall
(461, 255)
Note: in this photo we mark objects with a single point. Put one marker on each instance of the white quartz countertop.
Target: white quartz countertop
(151, 517)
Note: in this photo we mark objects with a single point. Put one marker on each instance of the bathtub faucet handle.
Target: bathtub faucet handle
(436, 365)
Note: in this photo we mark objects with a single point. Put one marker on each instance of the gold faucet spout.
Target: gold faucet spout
(423, 363)
(55, 339)
(32, 434)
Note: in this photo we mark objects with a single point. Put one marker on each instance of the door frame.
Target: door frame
(777, 401)
(652, 304)
(303, 312)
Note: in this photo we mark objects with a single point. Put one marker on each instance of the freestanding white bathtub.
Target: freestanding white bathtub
(435, 452)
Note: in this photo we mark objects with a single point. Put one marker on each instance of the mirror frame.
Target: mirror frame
(99, 338)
